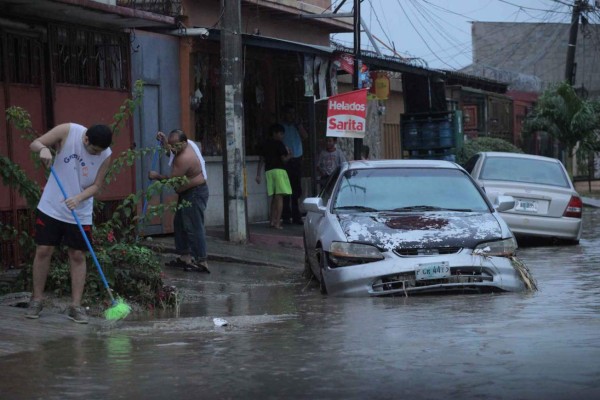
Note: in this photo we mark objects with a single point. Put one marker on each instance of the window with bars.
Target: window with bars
(24, 59)
(86, 57)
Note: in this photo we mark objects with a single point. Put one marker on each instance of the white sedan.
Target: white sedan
(546, 202)
(403, 227)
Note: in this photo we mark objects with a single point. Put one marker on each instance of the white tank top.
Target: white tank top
(77, 170)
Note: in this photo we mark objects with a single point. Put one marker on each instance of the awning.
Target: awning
(285, 45)
(85, 12)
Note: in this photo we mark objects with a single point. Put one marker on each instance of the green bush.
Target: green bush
(474, 146)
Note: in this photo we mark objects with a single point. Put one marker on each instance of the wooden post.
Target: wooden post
(570, 65)
(234, 170)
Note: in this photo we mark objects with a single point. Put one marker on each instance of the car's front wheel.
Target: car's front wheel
(322, 285)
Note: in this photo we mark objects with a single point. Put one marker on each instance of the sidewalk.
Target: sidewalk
(265, 245)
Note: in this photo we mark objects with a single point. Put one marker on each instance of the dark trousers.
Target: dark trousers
(190, 234)
(291, 208)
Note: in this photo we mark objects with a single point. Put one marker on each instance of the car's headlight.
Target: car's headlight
(505, 247)
(342, 254)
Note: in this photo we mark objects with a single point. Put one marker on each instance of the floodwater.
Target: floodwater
(285, 340)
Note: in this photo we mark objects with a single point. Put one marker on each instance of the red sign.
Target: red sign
(346, 114)
(345, 62)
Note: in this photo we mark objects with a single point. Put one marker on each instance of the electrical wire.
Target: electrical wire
(431, 23)
(421, 36)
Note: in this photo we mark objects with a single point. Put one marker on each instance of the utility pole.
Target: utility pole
(234, 172)
(356, 76)
(578, 6)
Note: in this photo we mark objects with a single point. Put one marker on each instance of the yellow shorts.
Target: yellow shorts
(277, 182)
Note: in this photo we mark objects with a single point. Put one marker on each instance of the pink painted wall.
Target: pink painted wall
(97, 106)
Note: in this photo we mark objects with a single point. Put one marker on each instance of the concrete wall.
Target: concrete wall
(257, 202)
(533, 49)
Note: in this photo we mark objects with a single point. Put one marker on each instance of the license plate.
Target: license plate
(526, 205)
(432, 271)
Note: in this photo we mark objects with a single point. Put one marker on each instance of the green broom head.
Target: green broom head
(118, 310)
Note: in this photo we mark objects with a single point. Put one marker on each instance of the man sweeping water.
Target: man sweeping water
(82, 159)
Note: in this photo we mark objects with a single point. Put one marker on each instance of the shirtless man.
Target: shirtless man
(190, 235)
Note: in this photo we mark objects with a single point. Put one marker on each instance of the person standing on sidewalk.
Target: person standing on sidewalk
(329, 160)
(273, 155)
(81, 162)
(293, 137)
(190, 233)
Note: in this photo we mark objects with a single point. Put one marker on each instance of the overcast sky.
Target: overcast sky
(438, 32)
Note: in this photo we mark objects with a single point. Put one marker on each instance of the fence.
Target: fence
(391, 142)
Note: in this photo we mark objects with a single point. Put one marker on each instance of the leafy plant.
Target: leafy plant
(14, 176)
(567, 118)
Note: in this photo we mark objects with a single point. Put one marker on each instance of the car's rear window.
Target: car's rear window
(396, 188)
(525, 170)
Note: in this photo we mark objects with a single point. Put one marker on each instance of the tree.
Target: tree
(566, 117)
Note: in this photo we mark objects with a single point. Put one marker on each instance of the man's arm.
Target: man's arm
(303, 133)
(261, 162)
(73, 201)
(41, 145)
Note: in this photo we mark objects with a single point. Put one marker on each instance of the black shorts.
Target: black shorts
(52, 232)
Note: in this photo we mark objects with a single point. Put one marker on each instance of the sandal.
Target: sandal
(197, 267)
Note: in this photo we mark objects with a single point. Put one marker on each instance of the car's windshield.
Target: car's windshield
(407, 190)
(526, 170)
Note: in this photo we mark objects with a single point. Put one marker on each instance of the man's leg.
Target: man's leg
(193, 220)
(78, 273)
(41, 265)
(77, 313)
(276, 207)
(193, 224)
(181, 244)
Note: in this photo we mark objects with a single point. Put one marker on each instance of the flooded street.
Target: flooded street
(285, 340)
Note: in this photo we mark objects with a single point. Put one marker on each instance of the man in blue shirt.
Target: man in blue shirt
(293, 137)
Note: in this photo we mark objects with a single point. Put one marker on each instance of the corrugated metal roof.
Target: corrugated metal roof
(85, 12)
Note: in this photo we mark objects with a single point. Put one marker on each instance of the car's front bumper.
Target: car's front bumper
(396, 276)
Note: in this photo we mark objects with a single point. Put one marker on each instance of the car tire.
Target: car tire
(322, 285)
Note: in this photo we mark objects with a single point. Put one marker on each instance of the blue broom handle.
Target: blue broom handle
(87, 242)
(153, 167)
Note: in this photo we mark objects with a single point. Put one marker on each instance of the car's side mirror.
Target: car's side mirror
(313, 204)
(504, 203)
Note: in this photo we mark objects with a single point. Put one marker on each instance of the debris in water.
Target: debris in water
(220, 322)
(525, 274)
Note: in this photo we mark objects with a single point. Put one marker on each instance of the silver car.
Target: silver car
(401, 227)
(546, 202)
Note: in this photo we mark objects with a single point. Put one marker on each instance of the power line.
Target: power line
(421, 36)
